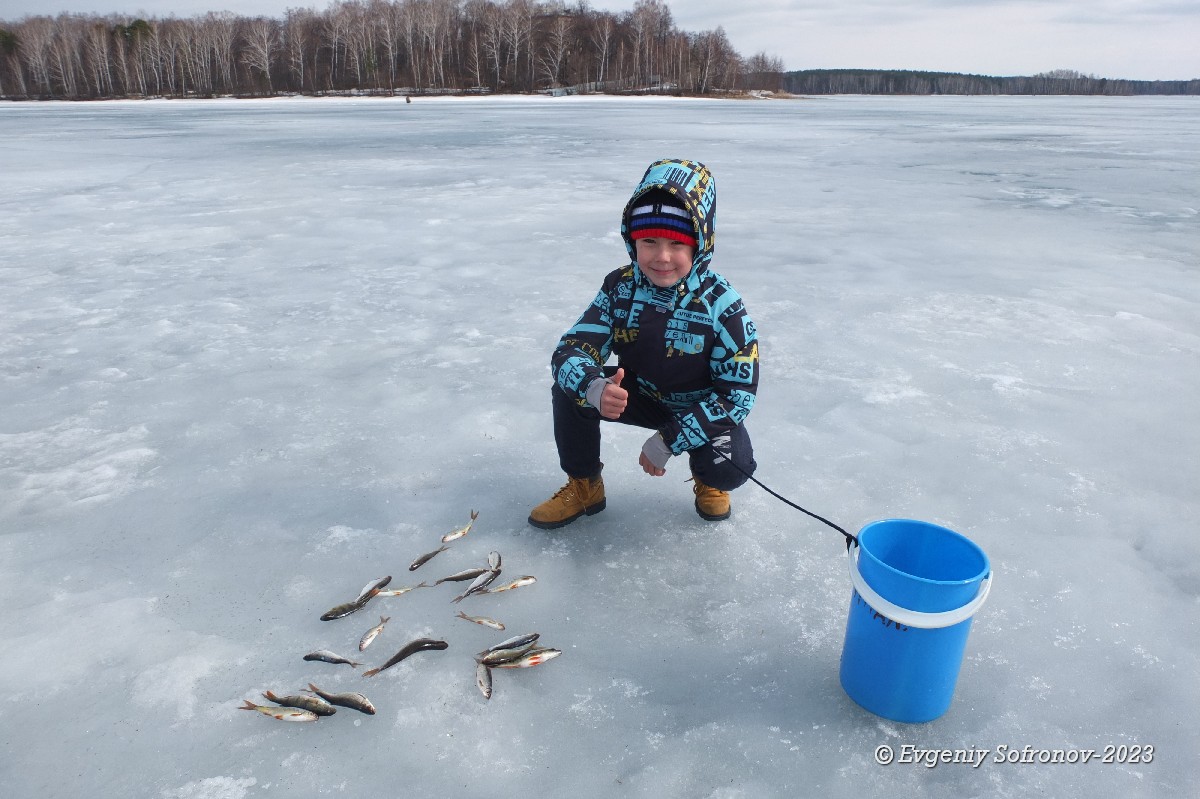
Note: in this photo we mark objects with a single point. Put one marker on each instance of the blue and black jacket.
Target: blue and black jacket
(691, 347)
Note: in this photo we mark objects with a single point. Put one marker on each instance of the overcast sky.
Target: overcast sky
(1137, 39)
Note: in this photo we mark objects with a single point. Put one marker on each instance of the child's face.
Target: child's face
(664, 261)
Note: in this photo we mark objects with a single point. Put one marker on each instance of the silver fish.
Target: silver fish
(325, 656)
(310, 703)
(281, 713)
(465, 574)
(496, 657)
(481, 582)
(508, 650)
(460, 532)
(515, 641)
(484, 620)
(483, 679)
(350, 607)
(494, 561)
(534, 657)
(428, 556)
(352, 700)
(373, 586)
(412, 647)
(517, 583)
(371, 634)
(402, 591)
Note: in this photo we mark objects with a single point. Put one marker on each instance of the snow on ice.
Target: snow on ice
(254, 354)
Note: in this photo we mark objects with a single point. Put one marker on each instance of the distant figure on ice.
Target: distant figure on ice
(687, 355)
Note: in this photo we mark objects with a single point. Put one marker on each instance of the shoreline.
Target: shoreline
(530, 99)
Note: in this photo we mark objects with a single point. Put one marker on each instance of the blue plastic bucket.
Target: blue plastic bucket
(916, 587)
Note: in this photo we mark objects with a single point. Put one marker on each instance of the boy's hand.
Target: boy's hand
(649, 468)
(614, 399)
(654, 456)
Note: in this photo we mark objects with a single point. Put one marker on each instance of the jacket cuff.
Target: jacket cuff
(595, 391)
(657, 451)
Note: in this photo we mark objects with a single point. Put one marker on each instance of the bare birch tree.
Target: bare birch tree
(10, 66)
(490, 22)
(262, 41)
(600, 35)
(554, 50)
(387, 16)
(335, 31)
(517, 20)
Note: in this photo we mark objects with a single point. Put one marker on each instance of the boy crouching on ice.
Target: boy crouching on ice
(687, 355)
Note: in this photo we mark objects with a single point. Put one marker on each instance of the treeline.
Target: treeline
(864, 81)
(374, 46)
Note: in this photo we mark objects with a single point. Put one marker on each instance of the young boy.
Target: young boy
(687, 355)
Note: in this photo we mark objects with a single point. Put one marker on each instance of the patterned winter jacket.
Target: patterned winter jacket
(691, 347)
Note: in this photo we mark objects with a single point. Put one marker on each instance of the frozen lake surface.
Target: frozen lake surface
(254, 354)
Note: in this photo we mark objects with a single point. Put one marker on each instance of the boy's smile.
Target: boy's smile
(664, 261)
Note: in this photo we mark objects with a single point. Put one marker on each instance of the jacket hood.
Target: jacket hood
(693, 185)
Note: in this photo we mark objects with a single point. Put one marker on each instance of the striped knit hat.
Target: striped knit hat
(660, 215)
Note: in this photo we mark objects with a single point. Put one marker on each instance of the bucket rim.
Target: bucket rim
(984, 573)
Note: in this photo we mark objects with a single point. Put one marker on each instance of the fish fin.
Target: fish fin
(370, 672)
(313, 688)
(384, 619)
(423, 584)
(474, 514)
(271, 696)
(248, 706)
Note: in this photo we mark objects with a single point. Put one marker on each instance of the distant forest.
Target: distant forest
(1060, 81)
(375, 46)
(442, 47)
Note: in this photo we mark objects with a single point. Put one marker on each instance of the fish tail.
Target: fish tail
(314, 688)
(270, 695)
(248, 706)
(370, 672)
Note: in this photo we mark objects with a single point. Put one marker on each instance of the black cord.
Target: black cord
(849, 538)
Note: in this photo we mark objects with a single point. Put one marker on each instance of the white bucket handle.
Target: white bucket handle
(915, 618)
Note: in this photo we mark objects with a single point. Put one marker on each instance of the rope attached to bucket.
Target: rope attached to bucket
(850, 539)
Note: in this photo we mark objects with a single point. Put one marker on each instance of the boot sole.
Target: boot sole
(711, 517)
(591, 510)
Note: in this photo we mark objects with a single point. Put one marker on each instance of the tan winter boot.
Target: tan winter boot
(711, 503)
(579, 496)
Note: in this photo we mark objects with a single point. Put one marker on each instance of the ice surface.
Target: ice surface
(254, 354)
